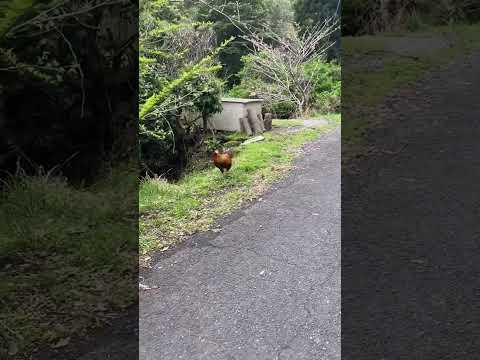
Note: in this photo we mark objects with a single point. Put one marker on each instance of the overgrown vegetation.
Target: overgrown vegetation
(44, 60)
(58, 277)
(294, 76)
(67, 127)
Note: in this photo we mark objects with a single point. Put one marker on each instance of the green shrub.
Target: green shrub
(327, 85)
(246, 87)
(239, 91)
(282, 110)
(328, 101)
(414, 22)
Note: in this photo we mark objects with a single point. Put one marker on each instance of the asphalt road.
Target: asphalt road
(267, 286)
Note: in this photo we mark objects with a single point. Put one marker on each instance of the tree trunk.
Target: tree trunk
(299, 109)
(205, 124)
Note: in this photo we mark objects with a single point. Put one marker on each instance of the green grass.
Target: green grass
(66, 257)
(396, 72)
(280, 123)
(333, 118)
(170, 211)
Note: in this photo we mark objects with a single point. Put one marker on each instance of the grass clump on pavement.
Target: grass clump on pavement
(169, 211)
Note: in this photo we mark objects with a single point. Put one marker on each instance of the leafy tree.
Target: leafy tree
(232, 19)
(208, 102)
(279, 16)
(178, 62)
(310, 12)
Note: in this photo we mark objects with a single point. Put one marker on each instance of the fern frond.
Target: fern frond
(202, 67)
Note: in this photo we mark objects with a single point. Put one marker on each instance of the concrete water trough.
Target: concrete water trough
(242, 115)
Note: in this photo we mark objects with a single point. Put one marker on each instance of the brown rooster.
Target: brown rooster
(223, 160)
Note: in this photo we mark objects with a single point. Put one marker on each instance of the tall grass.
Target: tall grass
(67, 257)
(44, 213)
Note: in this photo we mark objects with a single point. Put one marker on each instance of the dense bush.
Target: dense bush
(282, 110)
(58, 107)
(327, 90)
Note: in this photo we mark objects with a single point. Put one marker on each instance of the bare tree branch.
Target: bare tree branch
(282, 64)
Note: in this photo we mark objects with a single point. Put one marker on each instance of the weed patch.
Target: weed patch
(68, 259)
